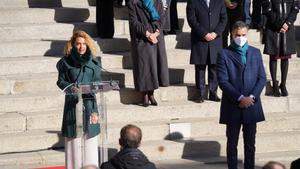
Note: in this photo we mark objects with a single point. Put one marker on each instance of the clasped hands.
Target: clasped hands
(152, 37)
(246, 102)
(210, 36)
(284, 28)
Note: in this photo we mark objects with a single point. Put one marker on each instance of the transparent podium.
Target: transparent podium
(87, 94)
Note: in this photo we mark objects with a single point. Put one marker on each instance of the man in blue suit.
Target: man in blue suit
(241, 77)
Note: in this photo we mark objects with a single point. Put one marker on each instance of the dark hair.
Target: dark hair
(130, 136)
(271, 164)
(239, 25)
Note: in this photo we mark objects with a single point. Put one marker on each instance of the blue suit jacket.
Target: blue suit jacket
(236, 79)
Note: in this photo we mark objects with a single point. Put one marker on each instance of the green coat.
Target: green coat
(76, 69)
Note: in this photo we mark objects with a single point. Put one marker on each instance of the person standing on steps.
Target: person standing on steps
(150, 66)
(78, 66)
(241, 77)
(207, 19)
(105, 18)
(280, 42)
(236, 11)
(256, 17)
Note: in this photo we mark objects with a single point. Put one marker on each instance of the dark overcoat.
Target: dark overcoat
(129, 158)
(236, 79)
(277, 13)
(203, 20)
(236, 14)
(150, 66)
(70, 70)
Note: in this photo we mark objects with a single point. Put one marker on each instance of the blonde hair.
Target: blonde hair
(89, 41)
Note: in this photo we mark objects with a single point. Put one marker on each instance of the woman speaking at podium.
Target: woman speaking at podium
(78, 66)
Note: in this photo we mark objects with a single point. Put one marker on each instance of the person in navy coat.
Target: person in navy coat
(207, 19)
(241, 77)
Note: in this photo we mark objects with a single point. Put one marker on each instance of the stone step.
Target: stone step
(14, 32)
(201, 127)
(48, 46)
(31, 101)
(47, 64)
(208, 146)
(45, 3)
(60, 14)
(216, 146)
(13, 91)
(32, 48)
(11, 66)
(54, 47)
(68, 15)
(26, 82)
(49, 108)
(15, 123)
(48, 158)
(112, 60)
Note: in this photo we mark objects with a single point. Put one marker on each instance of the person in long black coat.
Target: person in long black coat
(207, 24)
(150, 66)
(105, 18)
(279, 38)
(236, 12)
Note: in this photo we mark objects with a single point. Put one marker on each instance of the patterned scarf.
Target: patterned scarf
(242, 51)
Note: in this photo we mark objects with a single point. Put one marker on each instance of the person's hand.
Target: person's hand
(284, 28)
(246, 102)
(153, 38)
(232, 5)
(208, 37)
(74, 89)
(214, 35)
(156, 33)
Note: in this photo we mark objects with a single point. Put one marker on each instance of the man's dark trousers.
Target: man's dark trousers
(200, 79)
(105, 18)
(232, 133)
(257, 13)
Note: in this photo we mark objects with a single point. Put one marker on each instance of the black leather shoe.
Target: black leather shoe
(214, 97)
(276, 92)
(152, 100)
(284, 91)
(199, 100)
(146, 100)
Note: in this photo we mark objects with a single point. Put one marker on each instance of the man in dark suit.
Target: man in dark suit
(241, 77)
(207, 19)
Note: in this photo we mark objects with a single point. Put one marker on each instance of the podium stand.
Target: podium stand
(95, 91)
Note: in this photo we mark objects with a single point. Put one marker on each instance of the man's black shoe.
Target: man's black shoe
(199, 100)
(214, 97)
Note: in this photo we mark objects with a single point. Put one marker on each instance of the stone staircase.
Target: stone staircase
(33, 34)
